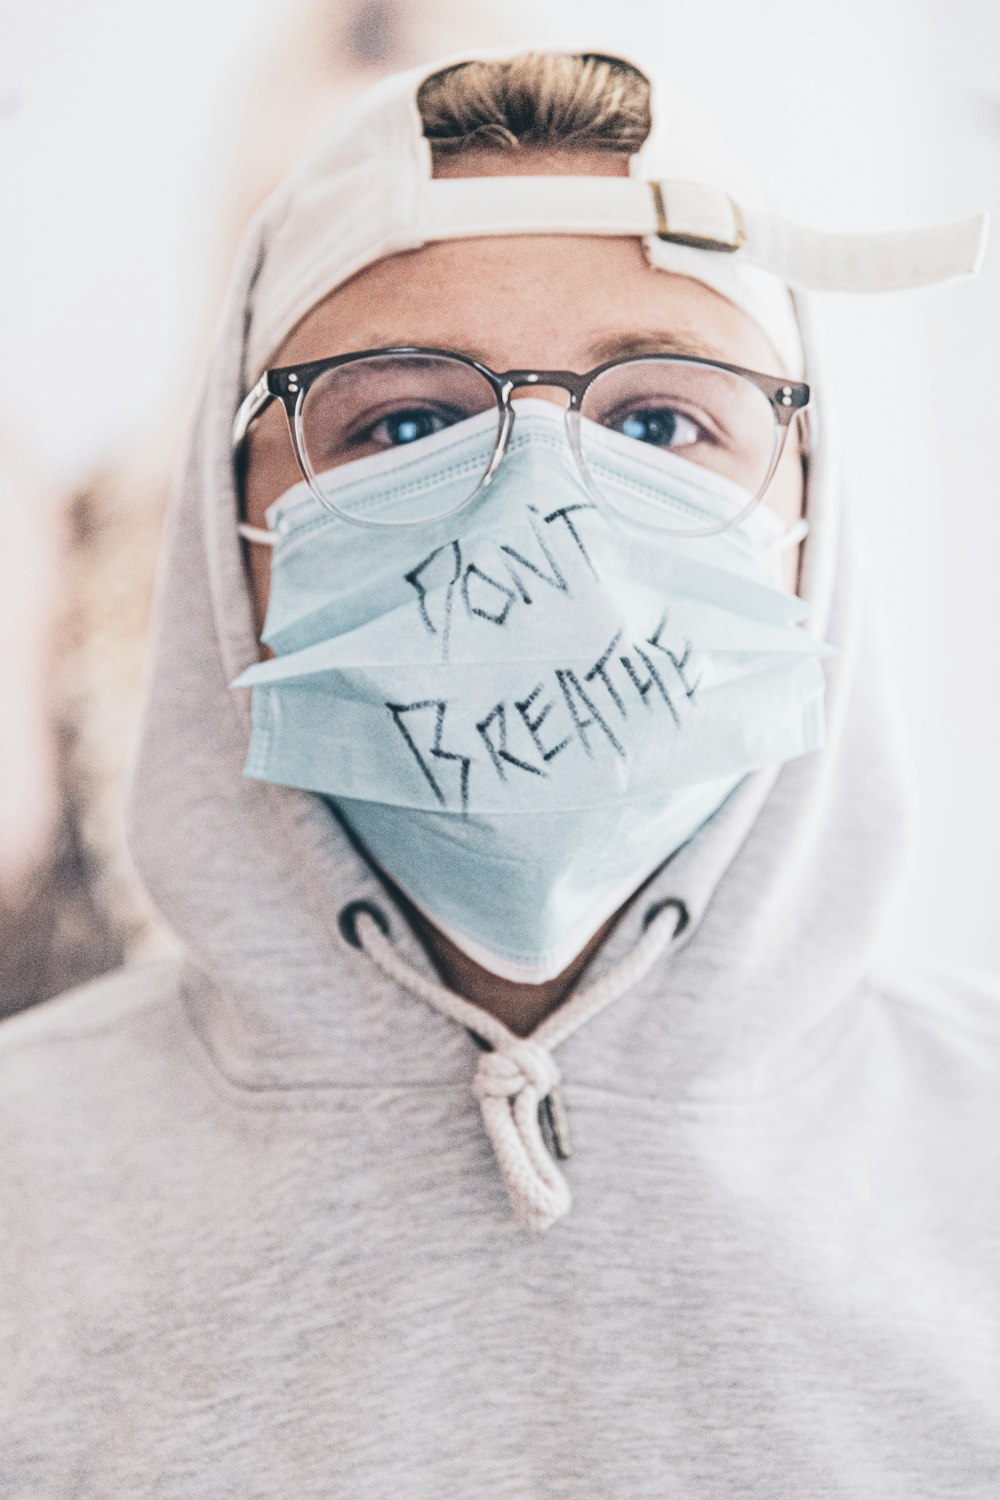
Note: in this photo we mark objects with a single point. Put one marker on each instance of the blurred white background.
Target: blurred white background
(119, 127)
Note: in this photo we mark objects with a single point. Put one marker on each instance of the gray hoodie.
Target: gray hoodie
(257, 1243)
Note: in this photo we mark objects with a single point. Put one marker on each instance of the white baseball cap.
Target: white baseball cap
(367, 190)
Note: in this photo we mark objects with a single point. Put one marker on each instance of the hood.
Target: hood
(785, 890)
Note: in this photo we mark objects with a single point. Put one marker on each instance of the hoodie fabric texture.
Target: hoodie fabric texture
(254, 1239)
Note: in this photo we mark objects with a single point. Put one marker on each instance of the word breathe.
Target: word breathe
(424, 725)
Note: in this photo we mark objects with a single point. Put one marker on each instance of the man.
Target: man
(553, 742)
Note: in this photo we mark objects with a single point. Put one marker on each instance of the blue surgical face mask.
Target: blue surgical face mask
(523, 711)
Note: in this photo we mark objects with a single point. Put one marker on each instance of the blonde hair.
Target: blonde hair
(561, 101)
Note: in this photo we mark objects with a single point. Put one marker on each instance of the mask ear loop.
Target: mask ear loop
(256, 534)
(796, 533)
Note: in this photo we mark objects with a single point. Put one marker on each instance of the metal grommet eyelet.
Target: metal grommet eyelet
(348, 921)
(652, 912)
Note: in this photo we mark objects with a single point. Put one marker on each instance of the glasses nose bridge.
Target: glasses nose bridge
(566, 380)
(516, 380)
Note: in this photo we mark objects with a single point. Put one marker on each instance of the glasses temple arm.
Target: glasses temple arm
(250, 407)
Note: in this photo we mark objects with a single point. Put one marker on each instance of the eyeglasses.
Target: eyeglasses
(717, 422)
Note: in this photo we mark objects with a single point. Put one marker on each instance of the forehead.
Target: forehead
(551, 301)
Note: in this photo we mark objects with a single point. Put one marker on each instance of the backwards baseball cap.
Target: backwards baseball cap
(367, 190)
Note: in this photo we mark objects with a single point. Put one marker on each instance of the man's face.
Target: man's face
(516, 302)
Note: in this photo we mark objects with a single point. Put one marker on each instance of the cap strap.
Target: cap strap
(699, 215)
(821, 260)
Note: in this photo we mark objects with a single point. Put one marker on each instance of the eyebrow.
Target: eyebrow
(669, 341)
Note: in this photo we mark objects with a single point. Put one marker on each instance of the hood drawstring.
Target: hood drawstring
(510, 1083)
(513, 1079)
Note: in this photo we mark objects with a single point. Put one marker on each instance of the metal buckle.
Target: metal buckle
(696, 241)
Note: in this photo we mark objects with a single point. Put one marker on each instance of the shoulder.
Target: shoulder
(112, 1000)
(102, 1016)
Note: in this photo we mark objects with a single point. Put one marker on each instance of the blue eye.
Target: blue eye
(662, 426)
(410, 426)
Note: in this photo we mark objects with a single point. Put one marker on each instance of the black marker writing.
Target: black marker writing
(535, 724)
(499, 617)
(677, 662)
(642, 688)
(415, 578)
(599, 669)
(554, 577)
(499, 754)
(571, 691)
(563, 514)
(440, 707)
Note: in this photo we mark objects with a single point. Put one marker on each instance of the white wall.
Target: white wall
(115, 123)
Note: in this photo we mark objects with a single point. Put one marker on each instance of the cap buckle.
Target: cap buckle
(697, 241)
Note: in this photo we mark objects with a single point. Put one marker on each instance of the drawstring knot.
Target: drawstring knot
(510, 1083)
(502, 1074)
